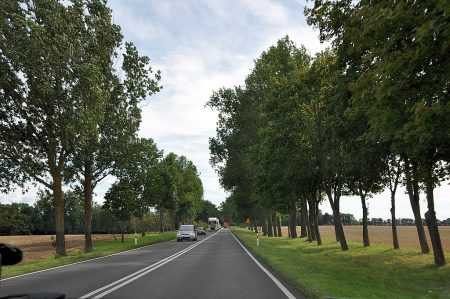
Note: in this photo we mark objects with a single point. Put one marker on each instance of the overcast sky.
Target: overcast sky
(200, 46)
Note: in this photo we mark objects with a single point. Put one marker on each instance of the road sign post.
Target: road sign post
(257, 239)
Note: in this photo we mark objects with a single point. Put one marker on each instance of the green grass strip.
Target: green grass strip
(377, 271)
(100, 249)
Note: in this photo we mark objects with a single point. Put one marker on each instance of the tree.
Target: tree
(39, 109)
(208, 209)
(14, 222)
(109, 101)
(366, 165)
(401, 82)
(392, 174)
(328, 219)
(160, 189)
(230, 150)
(189, 190)
(122, 200)
(347, 219)
(325, 113)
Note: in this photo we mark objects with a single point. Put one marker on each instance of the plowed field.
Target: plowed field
(40, 246)
(407, 235)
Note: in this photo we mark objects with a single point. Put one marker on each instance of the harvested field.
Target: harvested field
(40, 246)
(407, 235)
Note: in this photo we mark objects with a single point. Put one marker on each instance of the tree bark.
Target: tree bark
(412, 187)
(88, 206)
(394, 223)
(269, 225)
(292, 219)
(123, 230)
(339, 229)
(289, 227)
(59, 213)
(161, 218)
(274, 224)
(264, 227)
(278, 225)
(316, 220)
(430, 215)
(303, 220)
(311, 220)
(366, 241)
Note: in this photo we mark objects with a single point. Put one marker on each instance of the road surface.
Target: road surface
(215, 266)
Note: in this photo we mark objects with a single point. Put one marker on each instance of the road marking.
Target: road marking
(89, 260)
(133, 276)
(274, 279)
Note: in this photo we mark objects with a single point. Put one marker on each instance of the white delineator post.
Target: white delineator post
(257, 239)
(135, 238)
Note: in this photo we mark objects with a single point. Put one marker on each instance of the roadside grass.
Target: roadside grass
(100, 249)
(377, 271)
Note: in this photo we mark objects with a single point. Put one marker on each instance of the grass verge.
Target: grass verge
(372, 272)
(101, 248)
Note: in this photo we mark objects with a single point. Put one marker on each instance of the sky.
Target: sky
(200, 46)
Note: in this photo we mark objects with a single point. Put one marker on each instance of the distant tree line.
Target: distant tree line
(369, 113)
(39, 219)
(349, 219)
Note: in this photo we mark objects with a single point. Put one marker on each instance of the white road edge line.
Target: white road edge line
(274, 279)
(133, 276)
(89, 260)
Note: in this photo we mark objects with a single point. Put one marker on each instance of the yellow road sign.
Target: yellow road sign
(247, 221)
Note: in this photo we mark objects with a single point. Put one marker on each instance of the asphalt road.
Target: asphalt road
(215, 266)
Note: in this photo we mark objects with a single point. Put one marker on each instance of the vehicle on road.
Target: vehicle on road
(186, 232)
(201, 230)
(213, 223)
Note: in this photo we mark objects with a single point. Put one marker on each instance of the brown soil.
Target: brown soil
(40, 246)
(407, 235)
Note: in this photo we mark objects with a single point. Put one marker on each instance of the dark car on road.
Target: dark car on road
(186, 232)
(201, 230)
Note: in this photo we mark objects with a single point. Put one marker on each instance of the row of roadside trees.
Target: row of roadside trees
(71, 92)
(39, 218)
(369, 114)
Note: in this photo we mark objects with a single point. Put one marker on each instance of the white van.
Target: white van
(213, 223)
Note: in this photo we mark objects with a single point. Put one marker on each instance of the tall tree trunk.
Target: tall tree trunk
(123, 230)
(88, 206)
(304, 218)
(316, 219)
(264, 227)
(394, 223)
(274, 224)
(308, 222)
(269, 225)
(339, 229)
(289, 227)
(59, 213)
(279, 225)
(430, 215)
(161, 218)
(412, 187)
(366, 241)
(292, 218)
(312, 221)
(336, 231)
